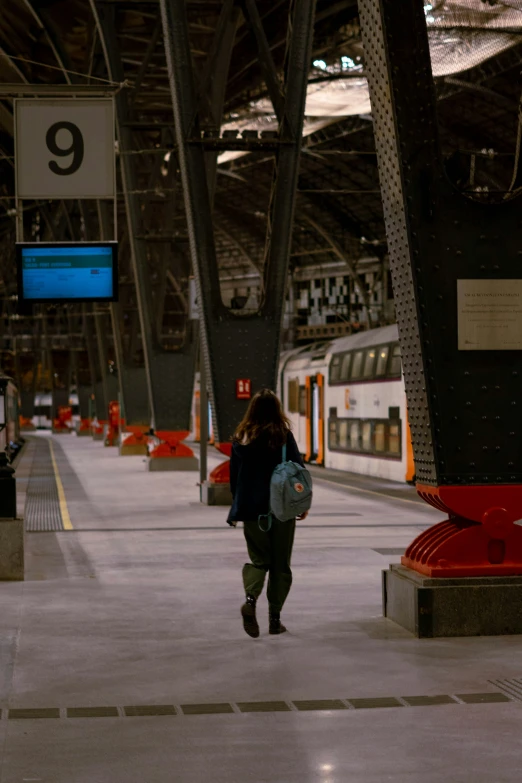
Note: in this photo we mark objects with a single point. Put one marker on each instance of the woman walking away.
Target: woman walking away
(257, 449)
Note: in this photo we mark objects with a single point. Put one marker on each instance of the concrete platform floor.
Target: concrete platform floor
(139, 605)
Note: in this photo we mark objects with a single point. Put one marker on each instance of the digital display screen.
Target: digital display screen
(83, 272)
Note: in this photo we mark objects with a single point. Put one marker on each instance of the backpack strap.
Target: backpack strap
(284, 453)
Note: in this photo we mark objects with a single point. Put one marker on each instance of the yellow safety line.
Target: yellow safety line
(64, 511)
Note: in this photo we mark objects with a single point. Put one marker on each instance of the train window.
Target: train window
(382, 360)
(302, 400)
(345, 367)
(333, 434)
(369, 363)
(366, 436)
(354, 436)
(395, 438)
(395, 364)
(380, 437)
(335, 368)
(357, 365)
(343, 434)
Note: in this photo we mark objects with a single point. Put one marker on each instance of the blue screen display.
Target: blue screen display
(78, 272)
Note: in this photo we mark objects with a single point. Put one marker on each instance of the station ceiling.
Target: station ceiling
(476, 55)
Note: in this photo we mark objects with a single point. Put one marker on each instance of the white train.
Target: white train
(347, 404)
(346, 401)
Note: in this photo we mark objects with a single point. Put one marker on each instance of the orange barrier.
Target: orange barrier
(26, 423)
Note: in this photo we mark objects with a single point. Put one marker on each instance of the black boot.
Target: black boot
(275, 625)
(248, 612)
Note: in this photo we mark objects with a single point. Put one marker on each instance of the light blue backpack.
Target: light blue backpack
(290, 492)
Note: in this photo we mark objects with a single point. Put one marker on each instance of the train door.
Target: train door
(314, 385)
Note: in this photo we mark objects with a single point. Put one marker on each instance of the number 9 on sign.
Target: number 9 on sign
(64, 148)
(76, 148)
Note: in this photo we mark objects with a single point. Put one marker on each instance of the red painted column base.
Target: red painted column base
(171, 445)
(134, 435)
(221, 473)
(60, 426)
(97, 426)
(480, 538)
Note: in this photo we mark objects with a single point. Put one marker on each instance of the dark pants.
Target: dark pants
(270, 552)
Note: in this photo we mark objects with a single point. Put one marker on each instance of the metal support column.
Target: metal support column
(456, 272)
(101, 404)
(170, 376)
(234, 346)
(108, 379)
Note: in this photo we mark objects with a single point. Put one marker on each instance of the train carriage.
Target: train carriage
(347, 404)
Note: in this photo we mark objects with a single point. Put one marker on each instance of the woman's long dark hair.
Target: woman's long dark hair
(264, 416)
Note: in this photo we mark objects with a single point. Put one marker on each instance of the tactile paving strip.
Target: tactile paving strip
(221, 708)
(42, 509)
(513, 687)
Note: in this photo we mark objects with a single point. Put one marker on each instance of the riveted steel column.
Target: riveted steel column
(450, 258)
(237, 347)
(132, 380)
(106, 29)
(101, 403)
(170, 376)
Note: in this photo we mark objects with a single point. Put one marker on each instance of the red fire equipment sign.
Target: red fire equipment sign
(243, 389)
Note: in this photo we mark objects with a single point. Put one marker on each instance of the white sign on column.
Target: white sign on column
(64, 148)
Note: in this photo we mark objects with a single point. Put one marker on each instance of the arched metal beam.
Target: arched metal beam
(53, 42)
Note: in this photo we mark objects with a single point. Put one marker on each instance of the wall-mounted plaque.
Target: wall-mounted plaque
(489, 315)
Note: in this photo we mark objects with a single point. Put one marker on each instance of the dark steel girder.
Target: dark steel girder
(238, 347)
(448, 255)
(169, 376)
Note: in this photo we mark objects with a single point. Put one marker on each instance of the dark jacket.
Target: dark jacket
(251, 469)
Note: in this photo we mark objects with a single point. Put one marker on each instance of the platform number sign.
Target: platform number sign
(243, 389)
(64, 148)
